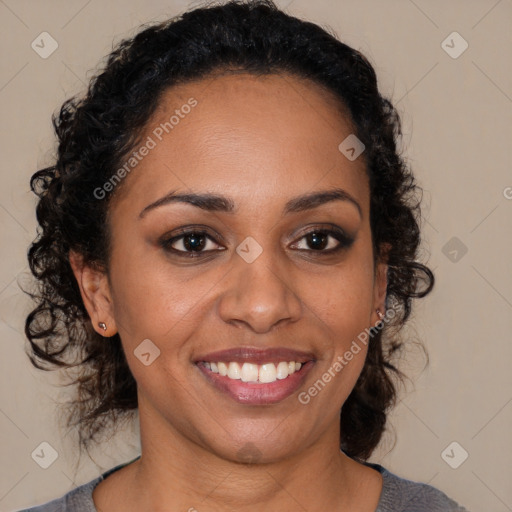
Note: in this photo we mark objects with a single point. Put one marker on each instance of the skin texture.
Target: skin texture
(261, 141)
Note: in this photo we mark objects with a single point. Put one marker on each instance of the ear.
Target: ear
(380, 283)
(95, 290)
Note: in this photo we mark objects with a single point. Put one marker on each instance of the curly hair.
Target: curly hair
(95, 133)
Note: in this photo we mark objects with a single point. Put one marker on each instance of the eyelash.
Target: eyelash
(344, 242)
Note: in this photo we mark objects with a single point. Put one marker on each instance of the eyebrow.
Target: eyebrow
(217, 203)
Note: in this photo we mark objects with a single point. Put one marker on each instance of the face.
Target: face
(251, 269)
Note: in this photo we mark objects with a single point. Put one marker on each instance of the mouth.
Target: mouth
(254, 376)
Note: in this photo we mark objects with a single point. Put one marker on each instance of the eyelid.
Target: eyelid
(193, 229)
(340, 235)
(344, 240)
(322, 227)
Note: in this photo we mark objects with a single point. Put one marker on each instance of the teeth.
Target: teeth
(234, 371)
(267, 373)
(249, 372)
(283, 370)
(223, 369)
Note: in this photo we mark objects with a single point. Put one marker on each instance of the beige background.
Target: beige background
(457, 117)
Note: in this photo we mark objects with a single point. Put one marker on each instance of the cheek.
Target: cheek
(153, 299)
(343, 305)
(343, 300)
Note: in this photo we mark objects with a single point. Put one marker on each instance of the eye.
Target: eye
(194, 243)
(324, 241)
(190, 243)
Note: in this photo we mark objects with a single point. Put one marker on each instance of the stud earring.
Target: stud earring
(102, 325)
(379, 314)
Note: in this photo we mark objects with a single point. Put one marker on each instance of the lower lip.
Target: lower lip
(254, 393)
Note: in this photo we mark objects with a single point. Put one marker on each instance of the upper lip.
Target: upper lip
(257, 355)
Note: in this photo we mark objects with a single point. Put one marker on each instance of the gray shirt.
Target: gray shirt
(398, 495)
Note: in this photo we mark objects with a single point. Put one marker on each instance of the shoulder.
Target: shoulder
(401, 495)
(78, 499)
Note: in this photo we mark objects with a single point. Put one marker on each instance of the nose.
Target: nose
(259, 295)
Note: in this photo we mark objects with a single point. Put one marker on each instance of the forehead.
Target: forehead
(253, 138)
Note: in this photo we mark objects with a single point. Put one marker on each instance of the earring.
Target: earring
(102, 325)
(379, 314)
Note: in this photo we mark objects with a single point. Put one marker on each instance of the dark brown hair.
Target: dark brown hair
(96, 131)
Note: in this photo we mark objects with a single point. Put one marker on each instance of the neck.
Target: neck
(176, 470)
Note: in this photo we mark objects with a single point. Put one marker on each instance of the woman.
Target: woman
(228, 243)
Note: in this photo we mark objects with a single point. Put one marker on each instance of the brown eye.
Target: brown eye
(317, 240)
(195, 242)
(190, 243)
(324, 241)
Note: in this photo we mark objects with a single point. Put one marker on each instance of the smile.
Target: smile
(255, 376)
(249, 372)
